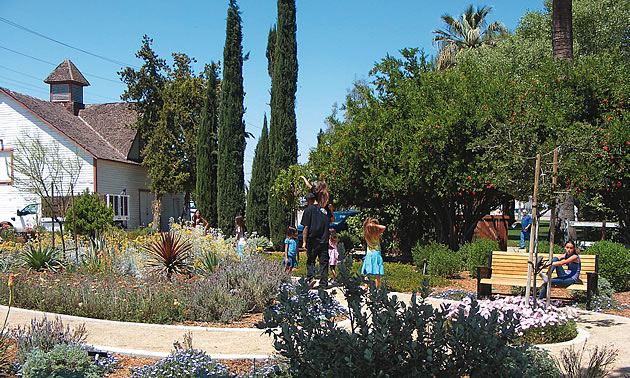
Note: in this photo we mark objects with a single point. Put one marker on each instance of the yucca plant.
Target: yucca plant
(169, 253)
(38, 258)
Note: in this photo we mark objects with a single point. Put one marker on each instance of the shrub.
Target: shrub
(440, 259)
(405, 278)
(235, 288)
(614, 262)
(602, 301)
(38, 258)
(477, 253)
(43, 335)
(386, 337)
(88, 215)
(183, 363)
(63, 360)
(349, 240)
(7, 233)
(543, 248)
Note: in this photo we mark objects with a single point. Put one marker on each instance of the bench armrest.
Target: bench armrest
(483, 290)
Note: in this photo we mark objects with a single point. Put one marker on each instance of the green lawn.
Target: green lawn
(399, 277)
(514, 234)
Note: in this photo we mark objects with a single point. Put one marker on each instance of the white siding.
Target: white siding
(16, 122)
(113, 177)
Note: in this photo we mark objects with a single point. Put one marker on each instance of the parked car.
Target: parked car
(340, 223)
(26, 219)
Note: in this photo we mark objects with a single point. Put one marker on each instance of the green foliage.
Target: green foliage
(207, 147)
(406, 278)
(477, 253)
(440, 259)
(348, 239)
(387, 337)
(89, 215)
(170, 254)
(63, 360)
(614, 262)
(550, 334)
(7, 233)
(283, 126)
(256, 211)
(43, 335)
(283, 196)
(230, 179)
(541, 364)
(206, 263)
(39, 257)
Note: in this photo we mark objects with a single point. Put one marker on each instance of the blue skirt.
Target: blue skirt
(373, 264)
(292, 263)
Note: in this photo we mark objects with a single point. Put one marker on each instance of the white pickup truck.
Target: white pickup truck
(27, 219)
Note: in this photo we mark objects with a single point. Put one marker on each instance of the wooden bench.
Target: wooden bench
(510, 269)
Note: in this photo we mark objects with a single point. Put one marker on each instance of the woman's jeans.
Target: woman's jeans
(562, 280)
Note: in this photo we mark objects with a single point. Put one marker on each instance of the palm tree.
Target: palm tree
(562, 29)
(465, 33)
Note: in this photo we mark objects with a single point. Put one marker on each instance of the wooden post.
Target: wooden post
(530, 264)
(552, 227)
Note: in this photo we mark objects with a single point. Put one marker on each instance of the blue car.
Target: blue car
(340, 223)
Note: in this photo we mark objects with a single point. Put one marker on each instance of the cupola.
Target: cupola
(66, 86)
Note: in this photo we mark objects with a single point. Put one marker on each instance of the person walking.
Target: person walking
(526, 227)
(315, 239)
(291, 254)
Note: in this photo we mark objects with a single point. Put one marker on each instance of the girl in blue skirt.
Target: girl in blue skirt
(373, 262)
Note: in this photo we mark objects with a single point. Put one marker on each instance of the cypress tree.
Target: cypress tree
(230, 180)
(257, 207)
(282, 131)
(206, 190)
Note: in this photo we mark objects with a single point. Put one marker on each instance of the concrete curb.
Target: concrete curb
(159, 355)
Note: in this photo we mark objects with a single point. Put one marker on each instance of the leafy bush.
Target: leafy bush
(555, 333)
(38, 258)
(440, 259)
(386, 337)
(7, 233)
(43, 335)
(614, 262)
(88, 215)
(63, 360)
(169, 254)
(543, 248)
(602, 301)
(235, 288)
(454, 294)
(183, 363)
(477, 253)
(405, 278)
(349, 240)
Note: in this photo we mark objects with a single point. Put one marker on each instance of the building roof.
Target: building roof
(102, 130)
(65, 72)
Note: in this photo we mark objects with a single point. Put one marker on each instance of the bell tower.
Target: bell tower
(66, 86)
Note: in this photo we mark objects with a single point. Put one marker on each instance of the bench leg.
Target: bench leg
(591, 288)
(483, 290)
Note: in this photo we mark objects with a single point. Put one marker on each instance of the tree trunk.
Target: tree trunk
(157, 212)
(562, 29)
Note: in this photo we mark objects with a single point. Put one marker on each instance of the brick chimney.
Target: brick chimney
(66, 86)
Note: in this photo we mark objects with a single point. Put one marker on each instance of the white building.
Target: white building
(98, 134)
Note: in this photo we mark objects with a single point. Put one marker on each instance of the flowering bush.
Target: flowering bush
(537, 326)
(454, 294)
(183, 363)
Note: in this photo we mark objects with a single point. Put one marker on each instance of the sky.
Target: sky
(339, 41)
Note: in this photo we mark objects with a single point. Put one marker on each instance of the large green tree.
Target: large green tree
(207, 150)
(258, 193)
(469, 31)
(230, 180)
(282, 132)
(168, 102)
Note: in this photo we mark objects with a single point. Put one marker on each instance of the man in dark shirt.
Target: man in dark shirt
(315, 239)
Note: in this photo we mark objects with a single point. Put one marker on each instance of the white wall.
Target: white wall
(112, 177)
(16, 122)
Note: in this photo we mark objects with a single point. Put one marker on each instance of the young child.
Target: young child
(333, 253)
(291, 255)
(373, 263)
(240, 229)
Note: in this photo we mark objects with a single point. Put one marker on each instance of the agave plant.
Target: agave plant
(169, 254)
(38, 258)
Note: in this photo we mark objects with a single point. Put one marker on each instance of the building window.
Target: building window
(6, 166)
(120, 204)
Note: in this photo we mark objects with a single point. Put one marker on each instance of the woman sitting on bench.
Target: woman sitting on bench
(564, 278)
